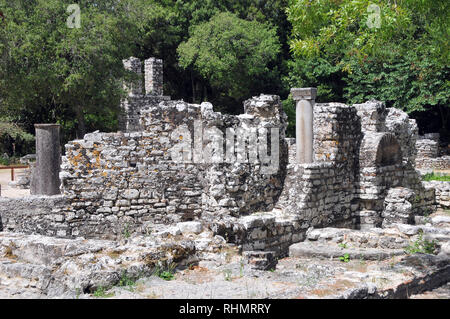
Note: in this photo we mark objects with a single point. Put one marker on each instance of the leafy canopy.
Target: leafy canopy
(52, 73)
(230, 52)
(339, 46)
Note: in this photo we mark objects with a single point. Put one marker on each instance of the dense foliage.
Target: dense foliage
(231, 53)
(52, 73)
(13, 139)
(394, 51)
(222, 51)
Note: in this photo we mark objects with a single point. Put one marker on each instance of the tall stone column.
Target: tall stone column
(304, 99)
(153, 69)
(45, 179)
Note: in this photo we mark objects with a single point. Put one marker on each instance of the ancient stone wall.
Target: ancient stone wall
(180, 167)
(438, 163)
(428, 153)
(153, 70)
(146, 91)
(322, 193)
(42, 215)
(405, 130)
(132, 106)
(442, 189)
(129, 179)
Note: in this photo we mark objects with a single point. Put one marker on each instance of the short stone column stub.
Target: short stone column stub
(45, 179)
(304, 99)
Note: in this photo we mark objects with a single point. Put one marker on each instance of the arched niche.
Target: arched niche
(379, 149)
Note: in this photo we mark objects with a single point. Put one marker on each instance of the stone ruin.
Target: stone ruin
(429, 153)
(353, 168)
(141, 93)
(363, 157)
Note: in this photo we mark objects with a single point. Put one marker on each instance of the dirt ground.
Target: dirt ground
(6, 190)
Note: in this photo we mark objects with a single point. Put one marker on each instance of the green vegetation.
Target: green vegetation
(352, 54)
(100, 292)
(436, 177)
(166, 273)
(421, 245)
(52, 73)
(221, 51)
(126, 231)
(13, 140)
(241, 268)
(126, 281)
(230, 52)
(345, 258)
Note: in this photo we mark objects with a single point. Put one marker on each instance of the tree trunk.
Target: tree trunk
(444, 116)
(193, 87)
(205, 94)
(81, 127)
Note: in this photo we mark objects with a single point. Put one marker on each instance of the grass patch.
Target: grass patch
(100, 292)
(126, 231)
(126, 281)
(422, 245)
(167, 273)
(436, 177)
(345, 258)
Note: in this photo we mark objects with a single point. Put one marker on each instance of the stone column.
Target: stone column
(304, 99)
(153, 69)
(45, 179)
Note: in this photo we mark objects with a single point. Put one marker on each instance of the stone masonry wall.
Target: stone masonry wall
(42, 215)
(146, 91)
(322, 193)
(442, 189)
(125, 180)
(428, 153)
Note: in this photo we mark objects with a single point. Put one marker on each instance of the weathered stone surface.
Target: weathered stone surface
(399, 206)
(45, 179)
(66, 267)
(442, 191)
(308, 249)
(190, 227)
(429, 155)
(261, 260)
(119, 184)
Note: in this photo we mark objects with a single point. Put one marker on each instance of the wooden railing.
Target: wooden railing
(12, 169)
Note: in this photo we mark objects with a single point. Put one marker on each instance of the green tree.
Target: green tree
(164, 24)
(396, 51)
(52, 73)
(13, 139)
(230, 52)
